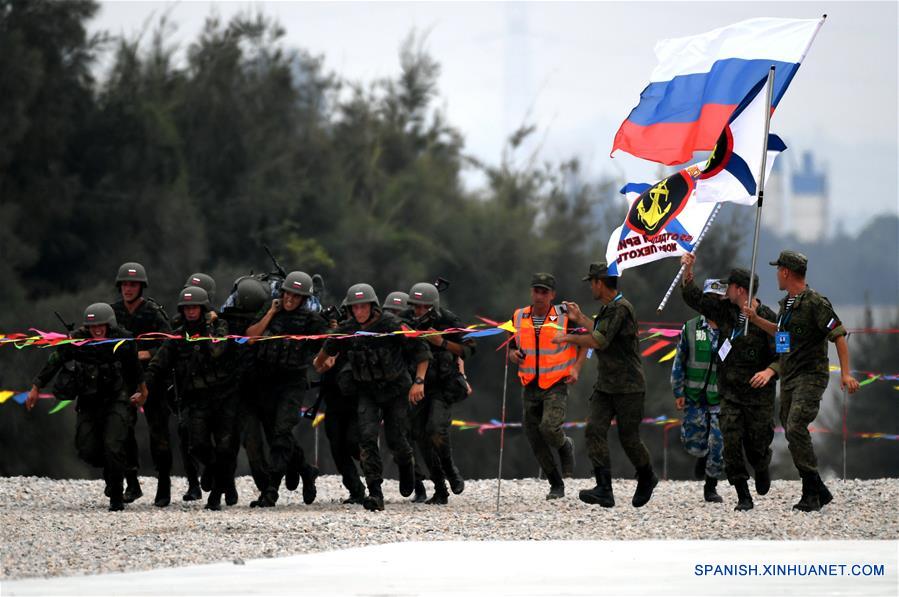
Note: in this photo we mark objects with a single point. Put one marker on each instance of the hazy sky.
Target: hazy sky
(579, 69)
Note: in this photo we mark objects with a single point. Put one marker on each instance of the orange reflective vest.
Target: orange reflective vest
(548, 362)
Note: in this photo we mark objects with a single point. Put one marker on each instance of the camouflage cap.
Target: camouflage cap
(597, 271)
(543, 280)
(740, 277)
(793, 261)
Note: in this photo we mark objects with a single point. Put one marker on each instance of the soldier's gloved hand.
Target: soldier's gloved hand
(138, 399)
(847, 382)
(33, 395)
(761, 379)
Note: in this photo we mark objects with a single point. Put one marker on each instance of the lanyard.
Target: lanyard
(784, 319)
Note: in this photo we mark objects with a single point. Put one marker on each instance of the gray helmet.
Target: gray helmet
(98, 314)
(250, 294)
(193, 295)
(424, 293)
(396, 301)
(361, 293)
(132, 272)
(204, 281)
(297, 283)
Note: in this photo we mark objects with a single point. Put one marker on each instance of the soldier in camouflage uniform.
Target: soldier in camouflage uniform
(247, 298)
(140, 314)
(282, 366)
(191, 467)
(747, 408)
(338, 392)
(805, 323)
(383, 386)
(620, 389)
(546, 370)
(100, 377)
(694, 379)
(204, 373)
(431, 418)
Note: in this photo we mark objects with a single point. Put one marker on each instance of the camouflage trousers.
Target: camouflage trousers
(798, 408)
(544, 414)
(157, 409)
(627, 409)
(211, 417)
(746, 427)
(430, 421)
(701, 436)
(101, 435)
(387, 403)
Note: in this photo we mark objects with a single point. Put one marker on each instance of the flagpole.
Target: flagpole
(761, 195)
(502, 432)
(680, 272)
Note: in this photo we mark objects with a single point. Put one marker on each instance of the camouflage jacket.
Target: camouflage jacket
(615, 331)
(811, 322)
(748, 354)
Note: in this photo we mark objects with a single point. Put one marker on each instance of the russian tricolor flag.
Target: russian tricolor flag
(700, 80)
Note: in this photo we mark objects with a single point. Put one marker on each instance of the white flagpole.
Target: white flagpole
(761, 194)
(502, 432)
(680, 272)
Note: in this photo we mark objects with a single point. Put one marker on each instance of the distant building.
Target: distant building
(797, 202)
(809, 205)
(774, 213)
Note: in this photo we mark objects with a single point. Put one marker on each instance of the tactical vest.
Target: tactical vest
(547, 362)
(700, 370)
(89, 371)
(286, 354)
(375, 359)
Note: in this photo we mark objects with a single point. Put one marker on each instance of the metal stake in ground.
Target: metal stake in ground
(502, 430)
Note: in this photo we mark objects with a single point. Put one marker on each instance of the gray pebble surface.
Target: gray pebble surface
(61, 527)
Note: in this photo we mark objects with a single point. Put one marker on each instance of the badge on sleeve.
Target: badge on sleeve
(782, 342)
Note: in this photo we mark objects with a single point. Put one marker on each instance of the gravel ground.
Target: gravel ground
(53, 528)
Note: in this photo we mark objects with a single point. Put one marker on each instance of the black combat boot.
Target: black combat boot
(556, 486)
(231, 496)
(646, 482)
(566, 458)
(441, 495)
(132, 491)
(214, 501)
(809, 502)
(193, 490)
(456, 482)
(292, 475)
(206, 478)
(355, 498)
(421, 494)
(309, 474)
(356, 489)
(699, 468)
(762, 481)
(163, 491)
(709, 491)
(106, 483)
(114, 492)
(744, 498)
(374, 501)
(824, 495)
(602, 493)
(407, 478)
(267, 499)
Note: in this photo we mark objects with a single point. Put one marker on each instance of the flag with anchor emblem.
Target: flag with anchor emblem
(663, 220)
